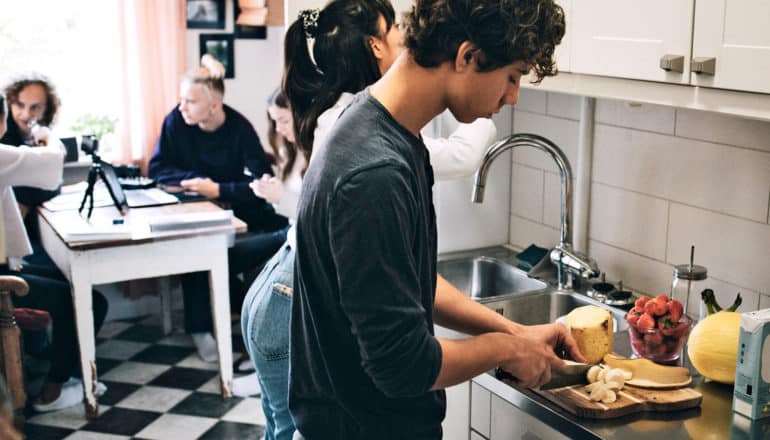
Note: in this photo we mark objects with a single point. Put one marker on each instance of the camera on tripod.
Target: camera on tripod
(89, 144)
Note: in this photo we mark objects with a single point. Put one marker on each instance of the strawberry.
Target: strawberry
(681, 330)
(645, 322)
(641, 301)
(662, 298)
(633, 316)
(653, 339)
(667, 325)
(655, 308)
(676, 309)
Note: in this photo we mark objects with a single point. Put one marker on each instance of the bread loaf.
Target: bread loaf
(592, 328)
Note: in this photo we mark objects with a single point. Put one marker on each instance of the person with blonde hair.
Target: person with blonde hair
(204, 147)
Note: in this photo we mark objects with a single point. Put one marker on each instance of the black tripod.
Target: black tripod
(97, 171)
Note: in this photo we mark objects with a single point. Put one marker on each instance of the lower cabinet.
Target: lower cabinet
(455, 425)
(492, 418)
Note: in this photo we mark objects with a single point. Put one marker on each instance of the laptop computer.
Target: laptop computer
(135, 198)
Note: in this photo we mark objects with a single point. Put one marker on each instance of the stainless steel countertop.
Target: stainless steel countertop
(713, 420)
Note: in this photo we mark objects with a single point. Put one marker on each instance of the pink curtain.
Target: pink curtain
(153, 48)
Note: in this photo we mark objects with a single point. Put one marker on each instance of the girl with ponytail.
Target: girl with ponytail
(330, 54)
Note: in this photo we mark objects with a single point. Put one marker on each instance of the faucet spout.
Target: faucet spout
(563, 256)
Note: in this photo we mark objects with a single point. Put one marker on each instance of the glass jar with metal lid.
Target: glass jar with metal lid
(688, 282)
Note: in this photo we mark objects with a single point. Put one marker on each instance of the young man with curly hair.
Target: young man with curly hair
(365, 363)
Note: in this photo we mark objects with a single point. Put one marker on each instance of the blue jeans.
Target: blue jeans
(265, 326)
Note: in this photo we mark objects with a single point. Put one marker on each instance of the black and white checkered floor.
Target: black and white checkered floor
(157, 388)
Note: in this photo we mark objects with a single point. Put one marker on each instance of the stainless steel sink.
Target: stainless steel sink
(545, 307)
(485, 277)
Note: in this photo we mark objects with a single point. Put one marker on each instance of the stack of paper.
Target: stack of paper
(190, 220)
(79, 229)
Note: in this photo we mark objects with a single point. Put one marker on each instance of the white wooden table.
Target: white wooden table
(86, 264)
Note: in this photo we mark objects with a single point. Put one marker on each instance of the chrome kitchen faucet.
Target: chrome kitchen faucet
(568, 261)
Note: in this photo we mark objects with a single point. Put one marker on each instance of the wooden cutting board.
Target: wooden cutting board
(574, 399)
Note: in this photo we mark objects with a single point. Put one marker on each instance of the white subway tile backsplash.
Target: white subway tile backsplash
(724, 129)
(527, 192)
(524, 232)
(629, 220)
(563, 133)
(734, 250)
(531, 101)
(552, 202)
(663, 179)
(563, 106)
(639, 273)
(466, 225)
(635, 115)
(713, 176)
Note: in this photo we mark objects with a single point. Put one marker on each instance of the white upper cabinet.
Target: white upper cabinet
(628, 38)
(735, 34)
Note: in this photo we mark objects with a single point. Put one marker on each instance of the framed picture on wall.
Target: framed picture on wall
(249, 19)
(205, 14)
(220, 46)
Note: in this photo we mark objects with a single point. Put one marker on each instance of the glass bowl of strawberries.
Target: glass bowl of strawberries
(658, 328)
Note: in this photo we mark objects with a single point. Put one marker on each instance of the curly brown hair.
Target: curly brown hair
(505, 31)
(53, 102)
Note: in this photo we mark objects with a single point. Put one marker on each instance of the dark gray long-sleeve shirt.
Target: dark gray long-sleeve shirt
(363, 354)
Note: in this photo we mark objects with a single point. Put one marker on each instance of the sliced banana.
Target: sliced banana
(601, 375)
(609, 396)
(592, 386)
(614, 375)
(604, 382)
(599, 392)
(593, 373)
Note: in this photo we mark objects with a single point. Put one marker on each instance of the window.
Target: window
(73, 42)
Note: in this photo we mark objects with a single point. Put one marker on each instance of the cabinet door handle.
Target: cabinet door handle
(704, 65)
(672, 63)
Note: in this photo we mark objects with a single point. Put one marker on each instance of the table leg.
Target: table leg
(220, 306)
(166, 300)
(84, 319)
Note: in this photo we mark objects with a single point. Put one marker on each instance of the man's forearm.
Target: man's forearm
(455, 310)
(464, 359)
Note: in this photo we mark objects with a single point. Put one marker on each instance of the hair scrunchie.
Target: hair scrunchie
(309, 21)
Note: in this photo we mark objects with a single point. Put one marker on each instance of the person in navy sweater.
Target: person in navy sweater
(206, 147)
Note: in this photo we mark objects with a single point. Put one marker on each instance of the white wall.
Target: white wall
(461, 223)
(663, 179)
(258, 67)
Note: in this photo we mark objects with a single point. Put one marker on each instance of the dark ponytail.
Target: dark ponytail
(342, 60)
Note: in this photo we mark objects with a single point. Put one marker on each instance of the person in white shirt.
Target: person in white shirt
(41, 167)
(355, 42)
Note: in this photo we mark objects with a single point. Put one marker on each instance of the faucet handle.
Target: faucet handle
(575, 262)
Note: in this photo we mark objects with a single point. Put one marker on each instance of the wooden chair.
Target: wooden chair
(10, 340)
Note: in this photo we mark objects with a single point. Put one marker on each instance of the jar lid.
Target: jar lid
(687, 272)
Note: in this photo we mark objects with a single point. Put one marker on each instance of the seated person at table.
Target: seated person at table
(33, 104)
(42, 167)
(204, 146)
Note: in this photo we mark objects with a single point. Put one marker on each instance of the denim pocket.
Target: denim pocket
(270, 332)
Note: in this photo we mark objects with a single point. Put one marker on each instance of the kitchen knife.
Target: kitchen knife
(574, 373)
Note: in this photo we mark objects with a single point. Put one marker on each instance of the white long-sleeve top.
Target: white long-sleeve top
(458, 155)
(40, 167)
(292, 185)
